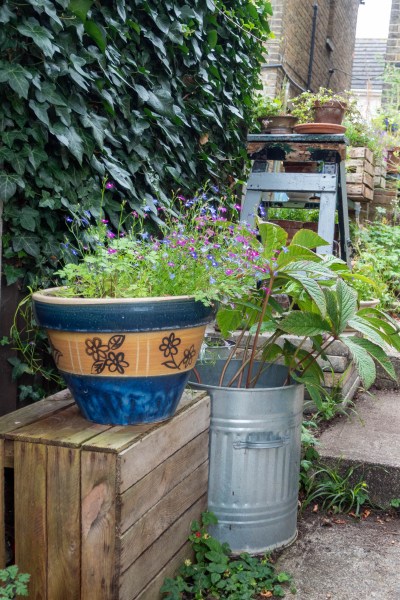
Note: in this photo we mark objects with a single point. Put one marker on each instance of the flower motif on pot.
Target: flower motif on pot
(169, 347)
(104, 355)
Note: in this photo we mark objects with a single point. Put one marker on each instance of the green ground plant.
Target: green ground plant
(378, 253)
(13, 583)
(215, 574)
(333, 490)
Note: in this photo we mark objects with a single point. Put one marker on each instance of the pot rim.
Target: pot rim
(237, 390)
(48, 297)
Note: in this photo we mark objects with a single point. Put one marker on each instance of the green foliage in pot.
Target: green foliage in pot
(157, 95)
(361, 134)
(196, 251)
(215, 574)
(303, 105)
(265, 106)
(322, 306)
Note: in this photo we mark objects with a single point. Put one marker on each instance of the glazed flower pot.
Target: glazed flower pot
(125, 360)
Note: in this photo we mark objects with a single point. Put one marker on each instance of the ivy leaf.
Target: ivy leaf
(13, 273)
(212, 38)
(40, 35)
(69, 137)
(97, 34)
(48, 93)
(80, 8)
(17, 78)
(27, 242)
(8, 186)
(27, 218)
(118, 174)
(40, 111)
(98, 126)
(5, 14)
(36, 156)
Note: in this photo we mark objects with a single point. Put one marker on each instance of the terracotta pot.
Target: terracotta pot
(329, 112)
(278, 124)
(125, 360)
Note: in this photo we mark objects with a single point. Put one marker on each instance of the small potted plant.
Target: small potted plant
(272, 115)
(323, 111)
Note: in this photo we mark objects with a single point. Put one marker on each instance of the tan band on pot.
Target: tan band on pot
(140, 354)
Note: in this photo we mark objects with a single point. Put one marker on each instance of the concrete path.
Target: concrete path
(341, 558)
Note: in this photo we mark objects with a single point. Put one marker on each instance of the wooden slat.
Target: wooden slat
(144, 494)
(117, 439)
(160, 443)
(149, 564)
(292, 182)
(159, 518)
(152, 590)
(30, 516)
(98, 493)
(361, 152)
(63, 523)
(362, 177)
(35, 412)
(66, 427)
(2, 509)
(357, 191)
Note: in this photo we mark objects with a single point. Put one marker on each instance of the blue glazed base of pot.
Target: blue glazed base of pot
(127, 400)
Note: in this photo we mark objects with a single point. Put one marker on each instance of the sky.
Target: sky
(373, 19)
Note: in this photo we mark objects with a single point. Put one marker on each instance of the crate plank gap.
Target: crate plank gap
(101, 512)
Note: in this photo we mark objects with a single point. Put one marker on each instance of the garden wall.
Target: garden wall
(334, 43)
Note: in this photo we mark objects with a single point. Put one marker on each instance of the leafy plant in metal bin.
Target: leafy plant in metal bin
(322, 304)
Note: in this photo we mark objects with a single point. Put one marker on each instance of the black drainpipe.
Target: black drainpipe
(312, 46)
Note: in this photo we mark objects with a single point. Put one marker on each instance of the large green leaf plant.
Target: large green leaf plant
(319, 306)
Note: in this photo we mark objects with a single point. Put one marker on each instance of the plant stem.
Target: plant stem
(257, 334)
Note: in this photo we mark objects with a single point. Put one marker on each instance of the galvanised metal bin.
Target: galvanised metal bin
(255, 439)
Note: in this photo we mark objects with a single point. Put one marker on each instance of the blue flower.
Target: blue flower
(146, 208)
(144, 235)
(69, 220)
(212, 280)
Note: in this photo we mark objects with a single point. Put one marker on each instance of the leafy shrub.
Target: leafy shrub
(215, 574)
(378, 253)
(156, 95)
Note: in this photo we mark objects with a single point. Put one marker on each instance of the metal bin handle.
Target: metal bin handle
(262, 444)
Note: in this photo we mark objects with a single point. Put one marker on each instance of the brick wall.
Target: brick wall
(292, 26)
(393, 45)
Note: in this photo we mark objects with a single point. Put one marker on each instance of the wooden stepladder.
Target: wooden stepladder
(290, 156)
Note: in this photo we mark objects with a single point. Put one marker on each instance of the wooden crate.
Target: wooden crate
(360, 172)
(103, 513)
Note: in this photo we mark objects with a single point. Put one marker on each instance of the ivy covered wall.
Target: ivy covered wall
(154, 94)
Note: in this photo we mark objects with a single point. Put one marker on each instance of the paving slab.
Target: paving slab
(341, 558)
(368, 441)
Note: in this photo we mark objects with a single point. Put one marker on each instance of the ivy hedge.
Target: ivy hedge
(154, 94)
